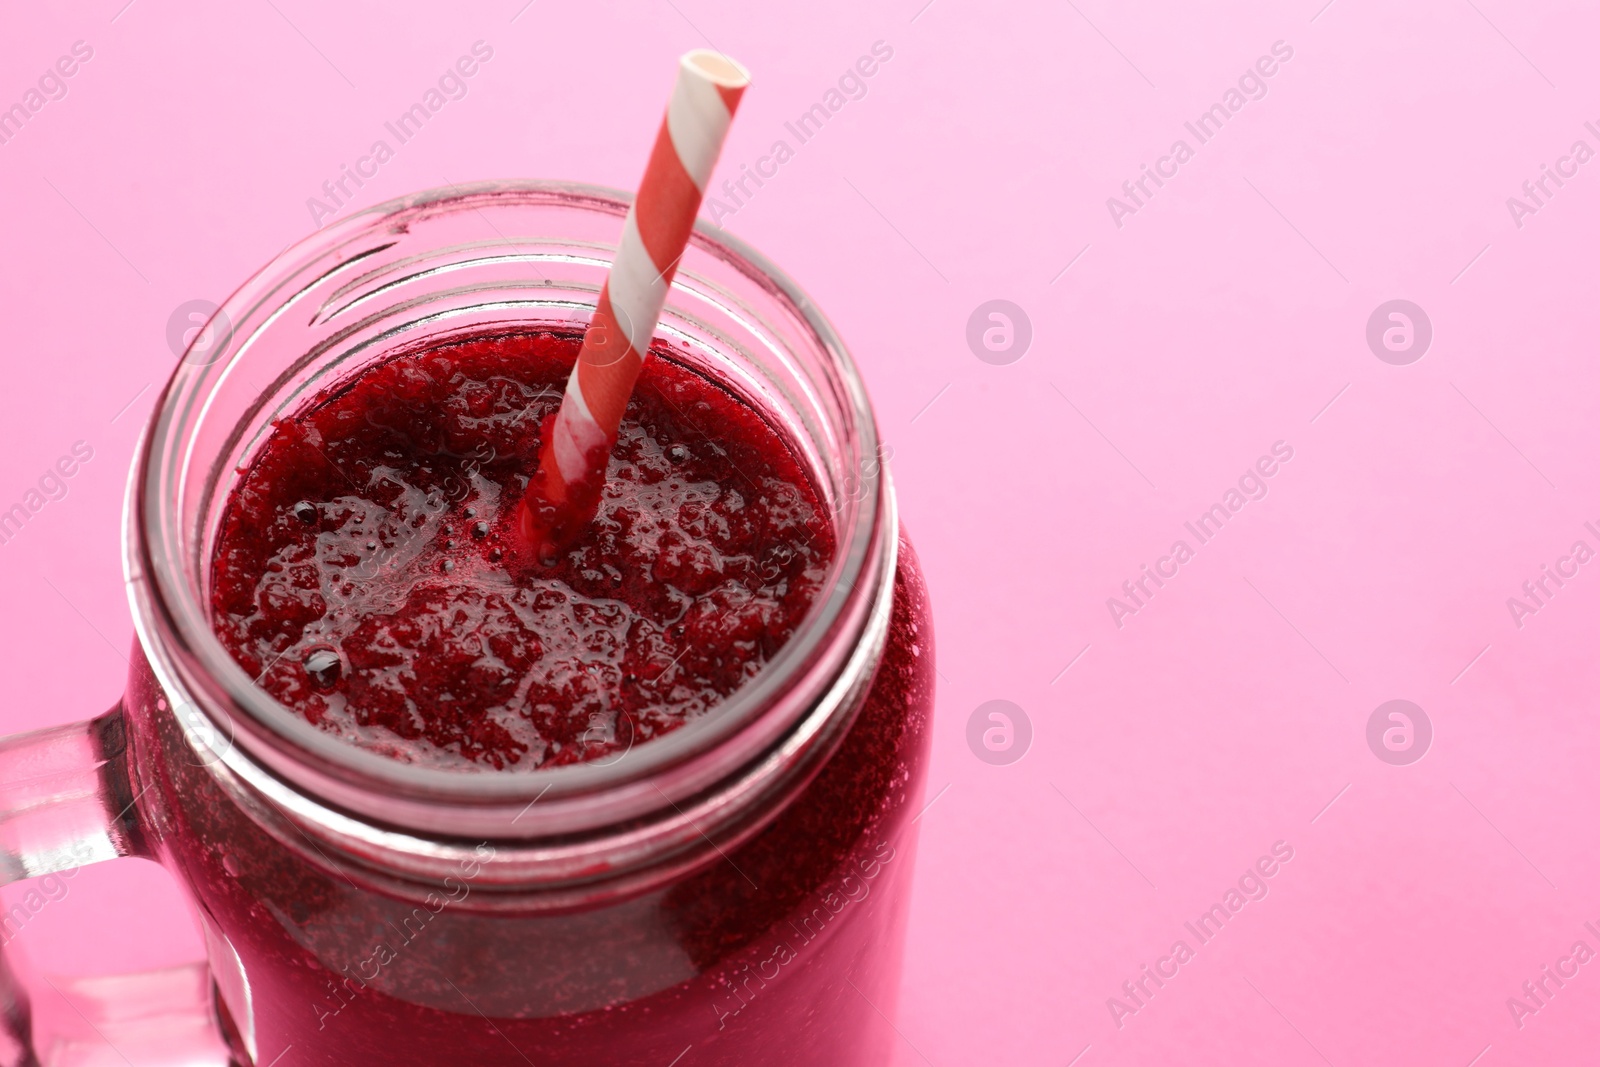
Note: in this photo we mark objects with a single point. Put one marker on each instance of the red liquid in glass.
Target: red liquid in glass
(369, 571)
(780, 949)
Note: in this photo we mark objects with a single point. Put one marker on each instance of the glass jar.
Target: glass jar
(732, 893)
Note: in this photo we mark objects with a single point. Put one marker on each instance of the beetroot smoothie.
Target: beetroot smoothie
(367, 573)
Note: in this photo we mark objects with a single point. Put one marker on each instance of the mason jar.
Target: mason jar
(734, 892)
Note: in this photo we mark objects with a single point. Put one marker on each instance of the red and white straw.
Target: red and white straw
(565, 491)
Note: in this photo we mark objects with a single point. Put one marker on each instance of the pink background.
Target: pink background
(1225, 315)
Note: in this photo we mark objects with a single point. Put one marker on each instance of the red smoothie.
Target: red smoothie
(366, 571)
(369, 572)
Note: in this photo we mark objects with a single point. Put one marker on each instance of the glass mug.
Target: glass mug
(734, 892)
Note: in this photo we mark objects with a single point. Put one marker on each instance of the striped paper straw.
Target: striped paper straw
(565, 491)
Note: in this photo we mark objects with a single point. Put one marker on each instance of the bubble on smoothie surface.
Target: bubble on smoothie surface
(323, 667)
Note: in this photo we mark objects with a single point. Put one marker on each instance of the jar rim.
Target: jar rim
(253, 734)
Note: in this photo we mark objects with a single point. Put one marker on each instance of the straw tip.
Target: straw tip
(723, 71)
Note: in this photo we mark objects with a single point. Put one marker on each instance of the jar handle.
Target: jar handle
(164, 1018)
(16, 1029)
(66, 798)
